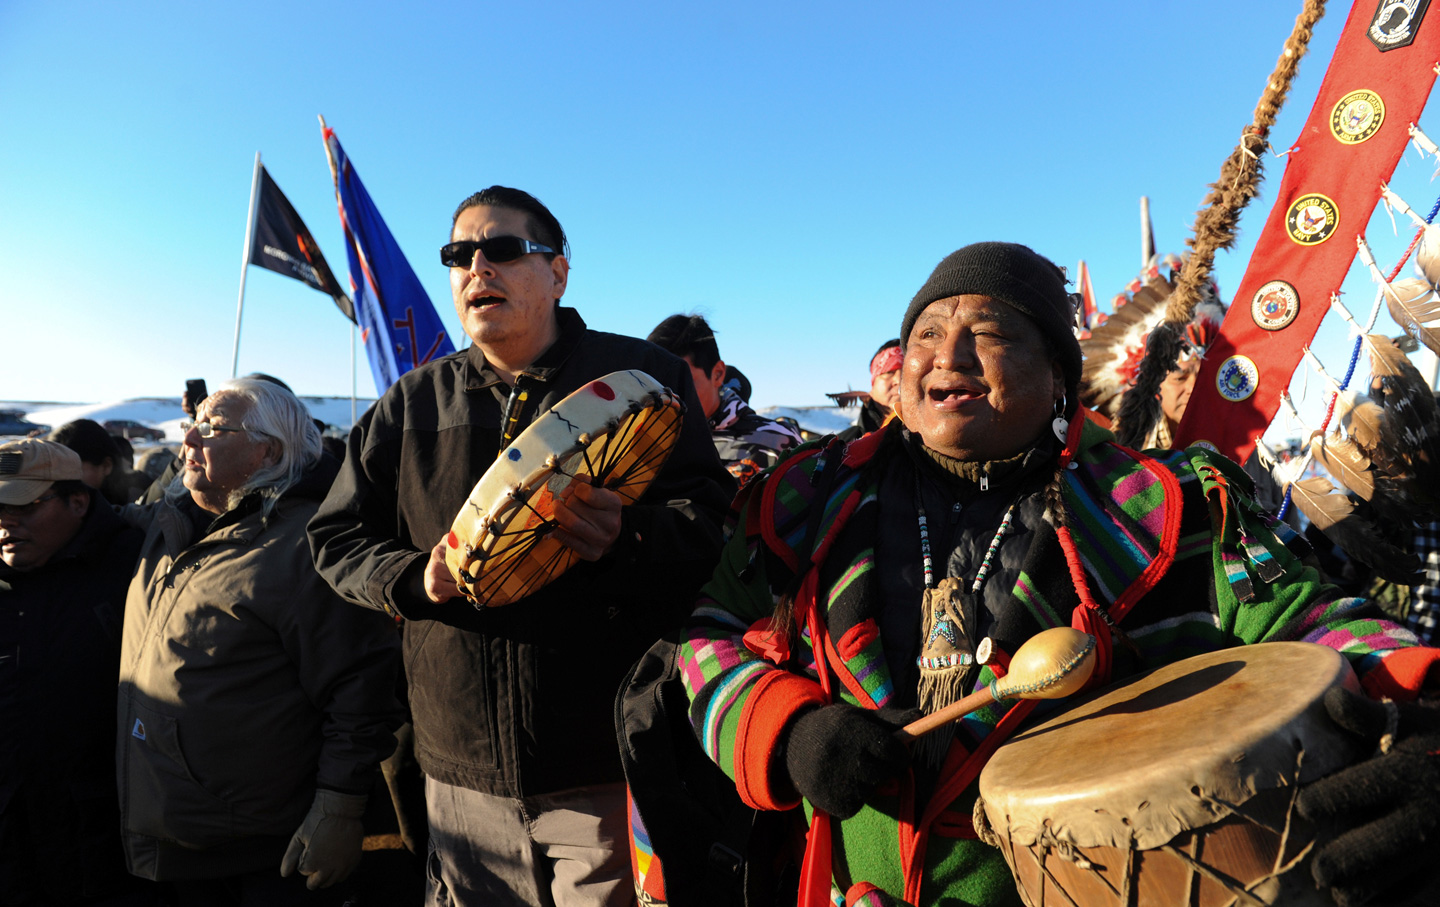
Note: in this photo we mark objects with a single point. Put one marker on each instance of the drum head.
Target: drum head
(619, 430)
(1171, 750)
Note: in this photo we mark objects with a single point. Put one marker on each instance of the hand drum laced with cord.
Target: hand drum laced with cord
(618, 429)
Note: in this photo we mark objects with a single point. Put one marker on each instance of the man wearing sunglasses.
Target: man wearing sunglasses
(513, 707)
(65, 562)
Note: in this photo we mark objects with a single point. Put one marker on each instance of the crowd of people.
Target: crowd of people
(213, 663)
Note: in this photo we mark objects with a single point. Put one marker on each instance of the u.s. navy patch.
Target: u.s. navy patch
(1312, 219)
(1237, 378)
(1275, 305)
(1395, 23)
(1357, 116)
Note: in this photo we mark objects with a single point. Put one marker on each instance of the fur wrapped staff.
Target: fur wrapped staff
(1215, 224)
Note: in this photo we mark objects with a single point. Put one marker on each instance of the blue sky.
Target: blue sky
(793, 172)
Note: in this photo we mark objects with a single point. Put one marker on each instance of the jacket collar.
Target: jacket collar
(479, 374)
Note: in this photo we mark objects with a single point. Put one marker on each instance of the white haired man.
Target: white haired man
(254, 704)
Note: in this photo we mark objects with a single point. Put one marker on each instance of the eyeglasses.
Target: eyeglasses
(205, 428)
(496, 249)
(21, 511)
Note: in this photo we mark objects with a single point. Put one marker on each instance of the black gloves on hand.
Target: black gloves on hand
(837, 754)
(1389, 805)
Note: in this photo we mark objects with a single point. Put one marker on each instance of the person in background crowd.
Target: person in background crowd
(747, 442)
(255, 705)
(130, 483)
(153, 463)
(512, 707)
(1024, 498)
(100, 457)
(884, 391)
(65, 562)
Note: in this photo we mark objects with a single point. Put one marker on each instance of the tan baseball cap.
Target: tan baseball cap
(29, 467)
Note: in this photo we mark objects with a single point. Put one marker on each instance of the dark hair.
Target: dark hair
(67, 487)
(885, 346)
(88, 439)
(543, 226)
(688, 336)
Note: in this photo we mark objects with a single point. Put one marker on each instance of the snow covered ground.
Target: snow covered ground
(164, 413)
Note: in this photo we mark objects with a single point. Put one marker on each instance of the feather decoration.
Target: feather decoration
(1336, 516)
(1414, 306)
(1410, 432)
(1114, 348)
(1427, 254)
(1345, 462)
(1361, 416)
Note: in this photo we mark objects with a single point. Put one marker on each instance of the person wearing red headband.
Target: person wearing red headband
(884, 390)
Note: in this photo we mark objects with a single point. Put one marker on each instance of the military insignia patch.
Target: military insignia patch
(1237, 378)
(1275, 305)
(1312, 219)
(1206, 445)
(1356, 117)
(1395, 23)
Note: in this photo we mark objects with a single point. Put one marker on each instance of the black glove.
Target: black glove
(1389, 805)
(837, 754)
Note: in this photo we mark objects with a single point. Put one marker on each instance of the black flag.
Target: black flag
(283, 244)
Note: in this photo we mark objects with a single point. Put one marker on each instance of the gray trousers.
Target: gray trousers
(565, 849)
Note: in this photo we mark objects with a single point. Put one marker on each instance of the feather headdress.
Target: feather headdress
(1114, 350)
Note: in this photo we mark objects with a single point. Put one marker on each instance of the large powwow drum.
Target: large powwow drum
(618, 429)
(1173, 788)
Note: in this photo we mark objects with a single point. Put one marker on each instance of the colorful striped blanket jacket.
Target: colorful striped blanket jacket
(1150, 532)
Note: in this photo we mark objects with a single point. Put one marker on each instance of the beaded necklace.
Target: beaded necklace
(925, 555)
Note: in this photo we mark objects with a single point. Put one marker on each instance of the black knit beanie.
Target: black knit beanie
(1017, 276)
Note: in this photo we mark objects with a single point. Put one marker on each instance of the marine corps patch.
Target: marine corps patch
(1237, 378)
(1395, 23)
(1356, 117)
(1275, 305)
(1312, 219)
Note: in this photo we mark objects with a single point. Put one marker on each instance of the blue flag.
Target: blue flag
(397, 321)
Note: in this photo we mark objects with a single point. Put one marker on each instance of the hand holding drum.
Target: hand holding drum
(1051, 664)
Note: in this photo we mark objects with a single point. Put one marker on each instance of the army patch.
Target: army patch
(1312, 219)
(1237, 378)
(1275, 305)
(1356, 117)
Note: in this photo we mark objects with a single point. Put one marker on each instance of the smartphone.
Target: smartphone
(195, 390)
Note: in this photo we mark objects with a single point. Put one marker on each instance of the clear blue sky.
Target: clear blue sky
(793, 171)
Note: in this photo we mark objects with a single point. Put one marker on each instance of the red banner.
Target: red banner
(1350, 145)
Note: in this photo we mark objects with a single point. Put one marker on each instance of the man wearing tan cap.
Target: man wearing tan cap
(65, 562)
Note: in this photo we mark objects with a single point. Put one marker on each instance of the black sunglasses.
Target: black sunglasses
(496, 249)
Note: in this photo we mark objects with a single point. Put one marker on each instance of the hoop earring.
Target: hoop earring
(1060, 425)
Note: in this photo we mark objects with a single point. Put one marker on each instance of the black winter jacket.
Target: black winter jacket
(59, 657)
(517, 700)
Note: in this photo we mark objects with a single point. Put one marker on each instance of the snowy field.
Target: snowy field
(165, 414)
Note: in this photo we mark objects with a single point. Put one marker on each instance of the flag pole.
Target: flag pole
(1147, 234)
(352, 374)
(245, 266)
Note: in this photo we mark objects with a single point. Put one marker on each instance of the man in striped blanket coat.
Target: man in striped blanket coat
(810, 645)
